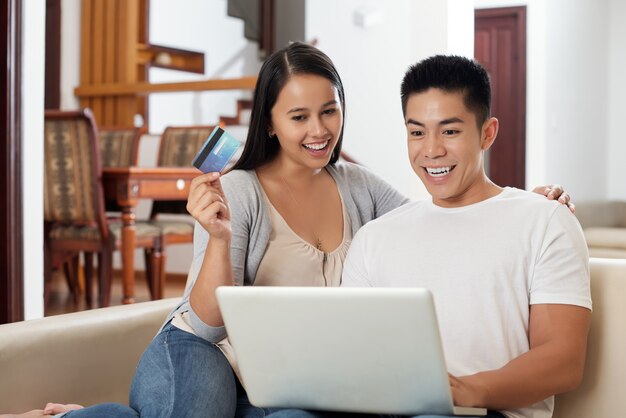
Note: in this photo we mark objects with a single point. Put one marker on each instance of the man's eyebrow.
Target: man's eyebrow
(451, 120)
(443, 122)
(301, 109)
(414, 122)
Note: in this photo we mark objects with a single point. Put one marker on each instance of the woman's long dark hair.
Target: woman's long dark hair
(297, 58)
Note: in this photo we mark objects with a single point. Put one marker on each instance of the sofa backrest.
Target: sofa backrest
(601, 214)
(601, 393)
(85, 357)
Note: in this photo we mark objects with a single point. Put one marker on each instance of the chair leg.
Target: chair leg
(156, 279)
(105, 270)
(47, 274)
(70, 266)
(88, 278)
(148, 254)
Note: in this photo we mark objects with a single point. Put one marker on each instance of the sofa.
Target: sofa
(89, 357)
(84, 357)
(604, 225)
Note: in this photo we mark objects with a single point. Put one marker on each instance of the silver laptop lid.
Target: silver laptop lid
(341, 349)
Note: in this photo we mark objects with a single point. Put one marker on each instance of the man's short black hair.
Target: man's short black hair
(451, 73)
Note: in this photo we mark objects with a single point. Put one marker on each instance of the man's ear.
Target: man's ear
(489, 133)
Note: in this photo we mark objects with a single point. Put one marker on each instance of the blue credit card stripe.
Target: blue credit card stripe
(207, 150)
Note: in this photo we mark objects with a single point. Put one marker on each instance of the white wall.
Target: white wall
(200, 26)
(577, 95)
(617, 101)
(372, 60)
(70, 52)
(33, 36)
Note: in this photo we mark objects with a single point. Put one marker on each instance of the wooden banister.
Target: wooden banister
(132, 89)
(116, 55)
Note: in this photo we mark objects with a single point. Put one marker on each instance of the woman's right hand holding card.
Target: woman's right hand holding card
(208, 205)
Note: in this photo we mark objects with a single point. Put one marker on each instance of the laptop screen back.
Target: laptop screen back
(340, 349)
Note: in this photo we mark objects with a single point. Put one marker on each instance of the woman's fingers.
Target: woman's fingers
(556, 190)
(212, 214)
(57, 408)
(200, 203)
(204, 188)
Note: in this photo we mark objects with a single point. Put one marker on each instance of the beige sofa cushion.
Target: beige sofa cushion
(86, 357)
(601, 393)
(606, 237)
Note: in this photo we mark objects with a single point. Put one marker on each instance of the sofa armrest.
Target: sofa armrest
(601, 393)
(85, 357)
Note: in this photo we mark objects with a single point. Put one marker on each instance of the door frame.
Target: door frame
(11, 239)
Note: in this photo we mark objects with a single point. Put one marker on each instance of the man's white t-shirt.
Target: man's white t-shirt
(485, 264)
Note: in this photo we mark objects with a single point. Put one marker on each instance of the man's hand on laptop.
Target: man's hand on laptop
(467, 391)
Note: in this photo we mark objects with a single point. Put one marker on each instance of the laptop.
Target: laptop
(371, 350)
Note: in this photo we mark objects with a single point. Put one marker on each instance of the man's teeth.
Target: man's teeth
(439, 171)
(316, 147)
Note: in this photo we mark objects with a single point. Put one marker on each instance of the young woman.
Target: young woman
(284, 215)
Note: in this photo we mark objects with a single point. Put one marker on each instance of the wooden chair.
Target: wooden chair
(74, 214)
(119, 147)
(178, 146)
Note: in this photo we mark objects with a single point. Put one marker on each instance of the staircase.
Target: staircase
(258, 18)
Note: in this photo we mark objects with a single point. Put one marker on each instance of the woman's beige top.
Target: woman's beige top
(289, 261)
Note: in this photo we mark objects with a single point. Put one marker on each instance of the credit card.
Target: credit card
(220, 151)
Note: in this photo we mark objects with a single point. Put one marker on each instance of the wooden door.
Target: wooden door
(500, 46)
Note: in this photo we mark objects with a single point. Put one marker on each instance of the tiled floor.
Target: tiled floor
(61, 301)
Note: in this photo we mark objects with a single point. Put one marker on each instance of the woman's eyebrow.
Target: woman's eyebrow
(301, 109)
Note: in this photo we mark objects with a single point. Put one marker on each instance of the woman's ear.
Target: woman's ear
(489, 133)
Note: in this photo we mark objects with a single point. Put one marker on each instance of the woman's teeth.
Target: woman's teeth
(316, 147)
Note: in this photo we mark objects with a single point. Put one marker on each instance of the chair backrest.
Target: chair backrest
(72, 187)
(601, 393)
(178, 146)
(119, 146)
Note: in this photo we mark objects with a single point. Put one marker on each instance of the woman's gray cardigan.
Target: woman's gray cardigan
(365, 196)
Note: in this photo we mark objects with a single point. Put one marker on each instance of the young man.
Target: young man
(508, 269)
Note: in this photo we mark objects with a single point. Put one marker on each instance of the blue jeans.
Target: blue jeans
(180, 376)
(298, 413)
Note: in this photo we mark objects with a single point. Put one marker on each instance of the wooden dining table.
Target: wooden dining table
(127, 186)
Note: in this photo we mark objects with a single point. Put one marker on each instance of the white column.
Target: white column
(33, 44)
